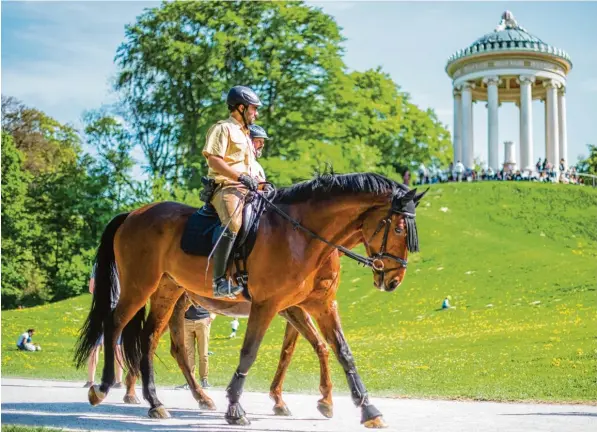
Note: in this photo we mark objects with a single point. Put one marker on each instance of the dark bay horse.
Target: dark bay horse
(144, 246)
(298, 322)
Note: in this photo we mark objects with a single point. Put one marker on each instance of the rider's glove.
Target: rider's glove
(249, 182)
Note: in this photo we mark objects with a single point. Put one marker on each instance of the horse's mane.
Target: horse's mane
(325, 186)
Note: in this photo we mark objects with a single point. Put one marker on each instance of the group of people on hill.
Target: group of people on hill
(544, 172)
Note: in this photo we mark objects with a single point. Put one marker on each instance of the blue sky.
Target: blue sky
(58, 56)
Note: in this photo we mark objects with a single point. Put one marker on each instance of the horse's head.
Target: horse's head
(389, 233)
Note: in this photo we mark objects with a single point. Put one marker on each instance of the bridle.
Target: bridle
(375, 261)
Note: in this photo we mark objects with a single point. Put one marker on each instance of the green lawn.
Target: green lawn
(519, 261)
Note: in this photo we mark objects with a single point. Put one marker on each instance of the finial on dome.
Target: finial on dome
(508, 22)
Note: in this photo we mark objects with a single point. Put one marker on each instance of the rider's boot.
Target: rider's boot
(221, 285)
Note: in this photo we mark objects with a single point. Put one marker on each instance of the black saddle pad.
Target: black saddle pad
(201, 232)
(204, 228)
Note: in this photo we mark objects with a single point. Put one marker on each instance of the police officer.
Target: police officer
(258, 137)
(230, 156)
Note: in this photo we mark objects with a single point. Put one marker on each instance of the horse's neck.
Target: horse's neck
(338, 221)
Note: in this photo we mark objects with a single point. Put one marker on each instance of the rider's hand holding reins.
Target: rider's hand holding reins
(249, 182)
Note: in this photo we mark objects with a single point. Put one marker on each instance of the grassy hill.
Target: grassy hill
(519, 261)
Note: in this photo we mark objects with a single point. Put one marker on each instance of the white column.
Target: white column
(553, 150)
(563, 145)
(509, 155)
(471, 148)
(526, 122)
(457, 137)
(471, 132)
(492, 121)
(519, 122)
(466, 132)
(545, 125)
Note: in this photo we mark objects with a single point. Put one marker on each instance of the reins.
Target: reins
(374, 262)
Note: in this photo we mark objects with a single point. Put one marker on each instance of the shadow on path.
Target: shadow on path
(80, 415)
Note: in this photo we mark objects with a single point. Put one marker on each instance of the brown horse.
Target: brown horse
(298, 322)
(144, 246)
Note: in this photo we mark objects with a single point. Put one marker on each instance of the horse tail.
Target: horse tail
(105, 293)
(131, 342)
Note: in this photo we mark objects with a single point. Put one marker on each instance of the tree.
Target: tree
(22, 281)
(112, 169)
(588, 165)
(179, 60)
(54, 207)
(46, 144)
(372, 126)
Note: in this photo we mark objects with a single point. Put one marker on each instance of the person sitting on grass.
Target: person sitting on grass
(446, 303)
(24, 343)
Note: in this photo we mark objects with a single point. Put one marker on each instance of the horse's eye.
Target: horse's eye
(397, 230)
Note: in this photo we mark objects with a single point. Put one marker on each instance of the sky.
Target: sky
(59, 56)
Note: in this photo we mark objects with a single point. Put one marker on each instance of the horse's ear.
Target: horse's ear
(409, 196)
(418, 197)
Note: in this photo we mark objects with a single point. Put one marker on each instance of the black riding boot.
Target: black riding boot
(221, 285)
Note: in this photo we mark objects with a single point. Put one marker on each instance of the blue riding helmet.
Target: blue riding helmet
(241, 95)
(257, 132)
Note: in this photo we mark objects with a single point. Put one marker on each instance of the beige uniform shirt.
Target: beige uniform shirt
(258, 171)
(230, 140)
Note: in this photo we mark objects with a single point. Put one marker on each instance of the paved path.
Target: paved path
(64, 404)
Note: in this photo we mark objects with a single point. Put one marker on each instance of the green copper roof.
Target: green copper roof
(509, 36)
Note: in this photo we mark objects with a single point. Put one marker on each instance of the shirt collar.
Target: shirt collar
(239, 124)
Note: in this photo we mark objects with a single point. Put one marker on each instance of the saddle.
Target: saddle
(203, 229)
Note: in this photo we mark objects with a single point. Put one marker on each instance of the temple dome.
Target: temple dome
(508, 36)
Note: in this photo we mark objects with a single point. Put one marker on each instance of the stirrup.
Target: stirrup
(229, 291)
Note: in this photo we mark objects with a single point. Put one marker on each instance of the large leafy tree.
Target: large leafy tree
(372, 109)
(113, 143)
(179, 60)
(46, 144)
(22, 280)
(371, 125)
(53, 208)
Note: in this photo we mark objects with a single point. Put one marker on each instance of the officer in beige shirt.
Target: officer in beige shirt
(258, 137)
(231, 160)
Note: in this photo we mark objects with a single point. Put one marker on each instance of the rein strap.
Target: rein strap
(368, 262)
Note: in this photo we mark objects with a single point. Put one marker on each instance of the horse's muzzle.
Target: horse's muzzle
(393, 285)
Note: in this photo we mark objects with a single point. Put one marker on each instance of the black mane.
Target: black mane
(326, 186)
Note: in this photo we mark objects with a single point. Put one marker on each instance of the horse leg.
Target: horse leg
(123, 313)
(329, 322)
(275, 393)
(177, 350)
(302, 322)
(259, 320)
(162, 306)
(130, 396)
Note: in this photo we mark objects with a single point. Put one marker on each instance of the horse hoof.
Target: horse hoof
(207, 405)
(240, 421)
(282, 410)
(159, 412)
(95, 395)
(131, 399)
(376, 423)
(326, 410)
(236, 415)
